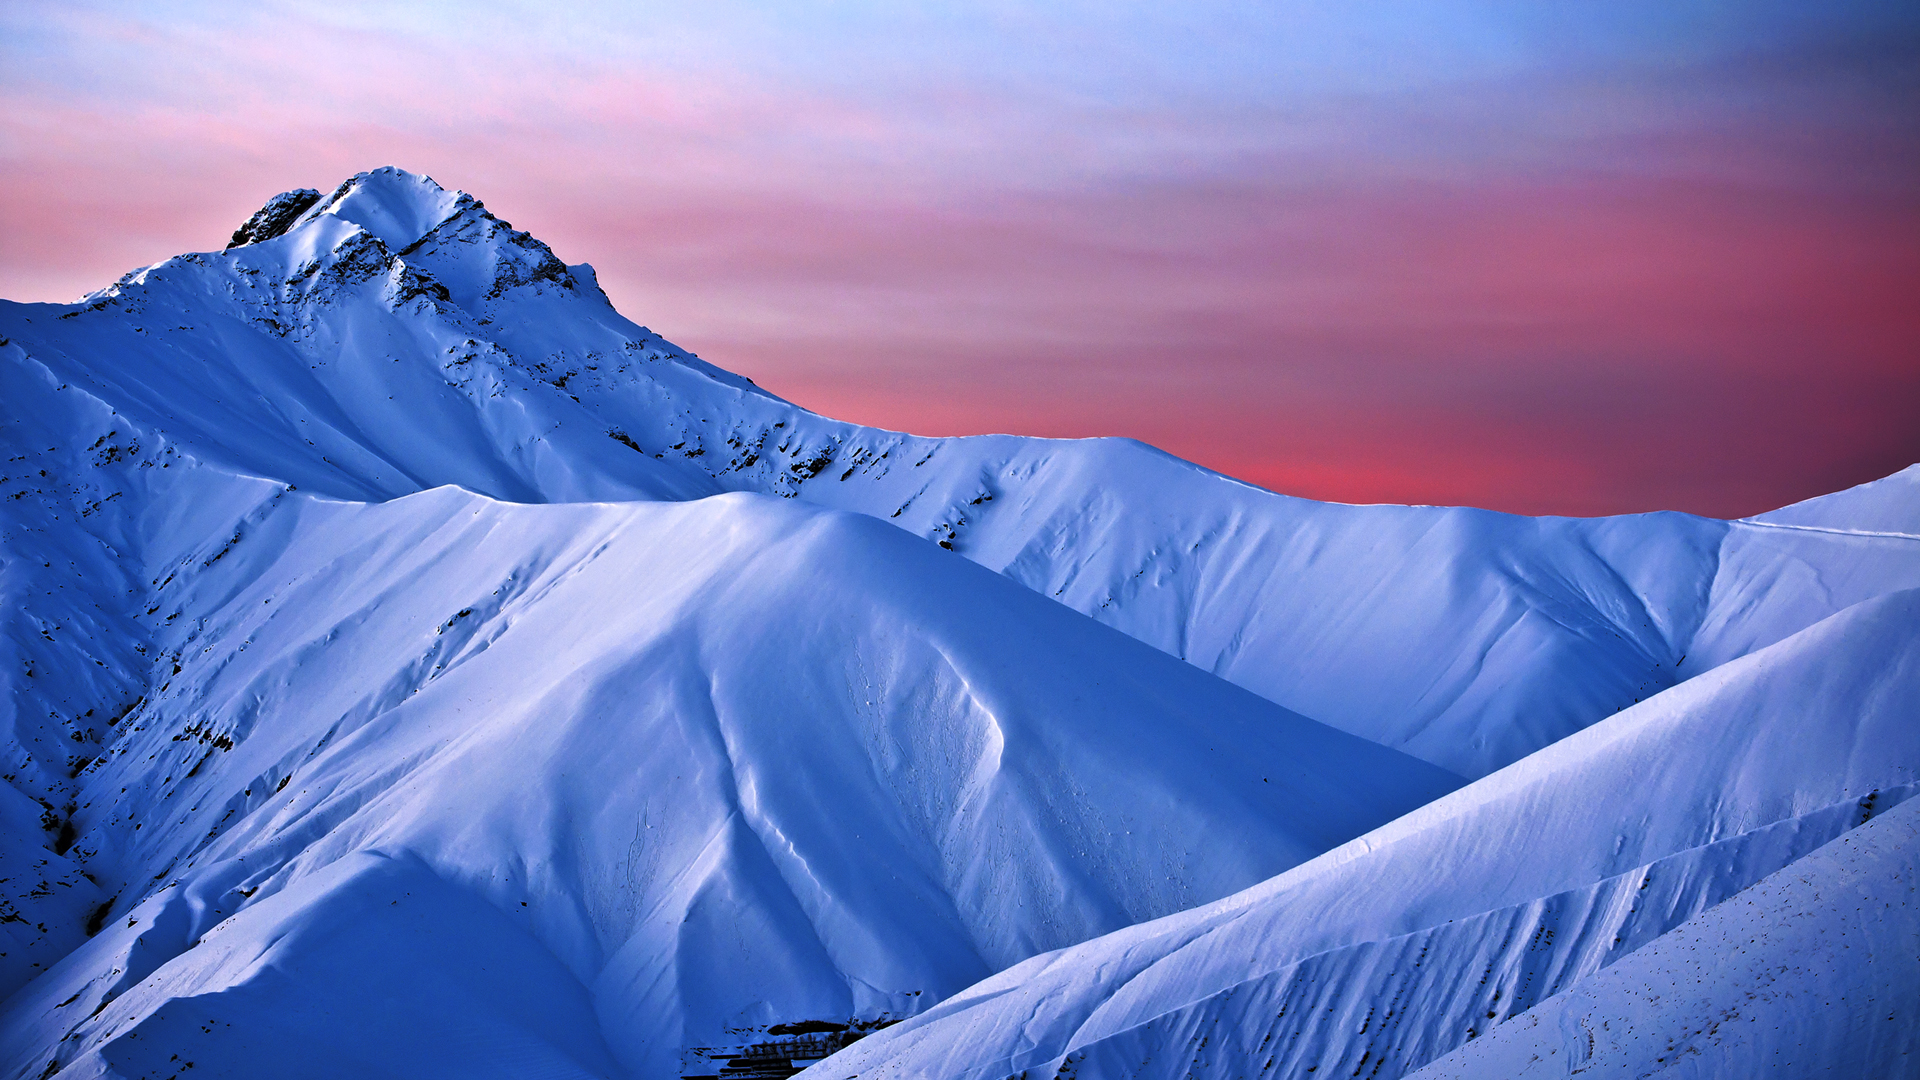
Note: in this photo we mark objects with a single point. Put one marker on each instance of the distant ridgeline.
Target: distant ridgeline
(413, 667)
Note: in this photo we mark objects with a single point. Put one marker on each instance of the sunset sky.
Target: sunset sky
(1546, 258)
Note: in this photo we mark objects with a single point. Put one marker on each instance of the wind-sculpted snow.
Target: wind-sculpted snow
(1768, 983)
(728, 762)
(1889, 506)
(397, 640)
(1394, 949)
(399, 337)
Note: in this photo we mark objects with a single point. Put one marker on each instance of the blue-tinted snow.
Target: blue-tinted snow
(414, 667)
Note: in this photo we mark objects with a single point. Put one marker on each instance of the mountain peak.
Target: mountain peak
(395, 205)
(378, 606)
(275, 218)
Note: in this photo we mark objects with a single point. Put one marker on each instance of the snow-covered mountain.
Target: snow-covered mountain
(1416, 938)
(415, 668)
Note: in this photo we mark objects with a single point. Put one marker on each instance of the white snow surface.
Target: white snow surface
(399, 641)
(1705, 1000)
(444, 347)
(1887, 506)
(1404, 944)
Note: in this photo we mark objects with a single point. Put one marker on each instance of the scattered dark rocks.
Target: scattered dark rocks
(276, 217)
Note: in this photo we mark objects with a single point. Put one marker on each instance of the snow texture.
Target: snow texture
(410, 666)
(1833, 933)
(1408, 942)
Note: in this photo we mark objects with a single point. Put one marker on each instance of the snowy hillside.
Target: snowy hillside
(399, 641)
(729, 761)
(1414, 939)
(398, 337)
(1708, 997)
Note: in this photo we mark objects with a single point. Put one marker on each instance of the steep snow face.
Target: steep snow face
(398, 336)
(718, 763)
(1733, 990)
(322, 359)
(1391, 951)
(73, 651)
(397, 639)
(394, 206)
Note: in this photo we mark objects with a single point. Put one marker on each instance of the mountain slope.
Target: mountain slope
(401, 337)
(1767, 982)
(724, 763)
(396, 639)
(1888, 505)
(1398, 947)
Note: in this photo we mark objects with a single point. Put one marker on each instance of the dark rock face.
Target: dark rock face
(274, 218)
(790, 1048)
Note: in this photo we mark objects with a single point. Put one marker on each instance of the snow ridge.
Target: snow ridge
(275, 218)
(396, 633)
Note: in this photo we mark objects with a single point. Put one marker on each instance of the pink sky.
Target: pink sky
(1584, 269)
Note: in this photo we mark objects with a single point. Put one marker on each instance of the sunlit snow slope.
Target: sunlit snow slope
(1709, 998)
(1390, 951)
(398, 337)
(398, 641)
(719, 764)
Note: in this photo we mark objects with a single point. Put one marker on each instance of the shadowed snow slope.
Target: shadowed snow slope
(1400, 946)
(718, 764)
(1707, 999)
(396, 640)
(399, 337)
